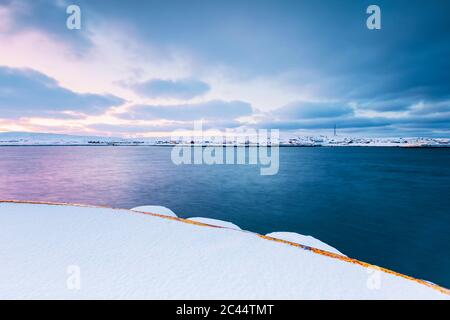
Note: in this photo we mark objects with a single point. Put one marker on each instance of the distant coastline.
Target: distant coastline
(235, 146)
(47, 139)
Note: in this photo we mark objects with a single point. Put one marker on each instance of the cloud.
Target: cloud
(47, 15)
(314, 115)
(431, 108)
(210, 110)
(327, 123)
(309, 110)
(179, 89)
(166, 127)
(323, 116)
(26, 92)
(269, 57)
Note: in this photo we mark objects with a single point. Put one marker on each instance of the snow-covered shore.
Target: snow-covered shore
(47, 139)
(76, 252)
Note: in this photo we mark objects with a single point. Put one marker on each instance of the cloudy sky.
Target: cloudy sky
(145, 68)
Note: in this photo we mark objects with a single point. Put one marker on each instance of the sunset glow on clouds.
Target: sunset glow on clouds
(147, 68)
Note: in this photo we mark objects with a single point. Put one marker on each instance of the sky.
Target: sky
(146, 68)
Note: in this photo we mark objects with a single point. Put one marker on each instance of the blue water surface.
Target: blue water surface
(386, 206)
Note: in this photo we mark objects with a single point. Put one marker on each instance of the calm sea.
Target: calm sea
(386, 206)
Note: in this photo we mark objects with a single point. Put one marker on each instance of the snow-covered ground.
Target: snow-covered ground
(156, 209)
(73, 252)
(342, 141)
(24, 139)
(30, 138)
(305, 240)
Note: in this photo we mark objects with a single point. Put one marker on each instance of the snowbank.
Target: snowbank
(305, 240)
(156, 209)
(73, 252)
(216, 222)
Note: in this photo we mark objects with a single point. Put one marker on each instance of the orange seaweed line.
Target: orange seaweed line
(358, 262)
(294, 244)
